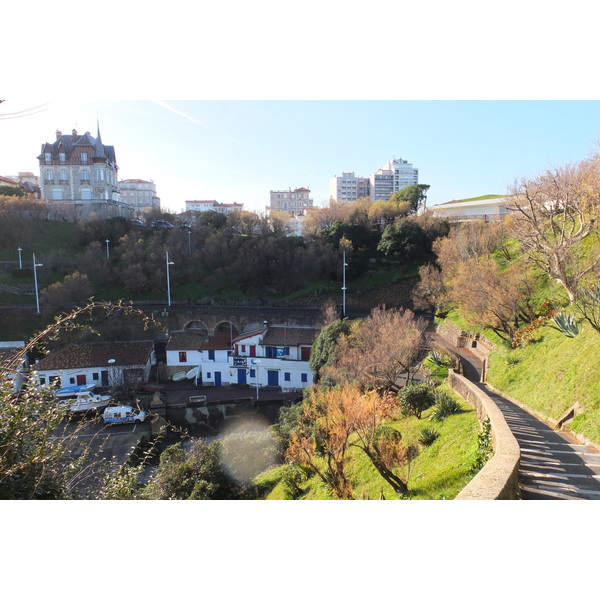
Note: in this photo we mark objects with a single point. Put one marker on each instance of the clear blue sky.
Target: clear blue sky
(240, 150)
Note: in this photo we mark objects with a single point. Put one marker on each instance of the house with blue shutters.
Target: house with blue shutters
(268, 355)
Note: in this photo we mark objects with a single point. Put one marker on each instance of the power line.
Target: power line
(23, 113)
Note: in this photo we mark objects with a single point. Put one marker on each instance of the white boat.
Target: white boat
(191, 374)
(86, 401)
(179, 376)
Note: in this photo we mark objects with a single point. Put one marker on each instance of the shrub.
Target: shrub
(443, 407)
(428, 436)
(484, 446)
(415, 398)
(292, 478)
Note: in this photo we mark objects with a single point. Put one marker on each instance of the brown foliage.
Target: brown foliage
(380, 349)
(334, 420)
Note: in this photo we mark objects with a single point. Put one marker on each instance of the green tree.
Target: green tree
(324, 348)
(414, 195)
(404, 240)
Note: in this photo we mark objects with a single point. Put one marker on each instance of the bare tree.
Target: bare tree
(553, 214)
(379, 350)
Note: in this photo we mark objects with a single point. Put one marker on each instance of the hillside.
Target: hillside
(551, 374)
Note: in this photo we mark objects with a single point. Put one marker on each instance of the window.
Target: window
(71, 379)
(286, 377)
(62, 158)
(84, 158)
(86, 194)
(252, 373)
(304, 378)
(95, 376)
(63, 176)
(182, 357)
(85, 175)
(42, 381)
(57, 194)
(211, 355)
(48, 157)
(243, 348)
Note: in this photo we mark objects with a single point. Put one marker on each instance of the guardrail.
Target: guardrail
(499, 477)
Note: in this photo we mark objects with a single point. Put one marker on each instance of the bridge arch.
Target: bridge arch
(197, 325)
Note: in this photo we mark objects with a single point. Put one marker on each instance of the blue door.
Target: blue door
(273, 377)
(217, 378)
(241, 375)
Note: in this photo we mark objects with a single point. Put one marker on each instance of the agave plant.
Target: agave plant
(566, 324)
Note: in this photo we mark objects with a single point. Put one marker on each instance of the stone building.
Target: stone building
(79, 178)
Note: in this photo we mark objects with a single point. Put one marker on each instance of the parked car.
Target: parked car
(123, 414)
(160, 224)
(137, 223)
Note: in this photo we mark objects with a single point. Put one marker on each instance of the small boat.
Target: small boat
(74, 389)
(86, 401)
(191, 374)
(179, 376)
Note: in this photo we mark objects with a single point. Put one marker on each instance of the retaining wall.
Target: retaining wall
(499, 477)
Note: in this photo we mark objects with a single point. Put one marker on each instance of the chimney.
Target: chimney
(58, 134)
(74, 135)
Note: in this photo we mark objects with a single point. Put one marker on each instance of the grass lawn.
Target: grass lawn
(552, 373)
(439, 472)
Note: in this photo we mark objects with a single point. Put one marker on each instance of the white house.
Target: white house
(104, 363)
(275, 355)
(195, 348)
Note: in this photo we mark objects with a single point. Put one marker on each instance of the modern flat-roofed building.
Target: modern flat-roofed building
(347, 187)
(204, 205)
(391, 178)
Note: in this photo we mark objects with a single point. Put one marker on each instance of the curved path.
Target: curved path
(554, 465)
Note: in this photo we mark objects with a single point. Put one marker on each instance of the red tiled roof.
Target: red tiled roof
(79, 356)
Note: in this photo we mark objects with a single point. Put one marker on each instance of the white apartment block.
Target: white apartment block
(204, 205)
(139, 194)
(348, 188)
(292, 202)
(391, 178)
(79, 177)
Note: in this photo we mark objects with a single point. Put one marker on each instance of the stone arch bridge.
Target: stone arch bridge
(213, 318)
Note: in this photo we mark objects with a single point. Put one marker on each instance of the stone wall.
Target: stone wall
(499, 477)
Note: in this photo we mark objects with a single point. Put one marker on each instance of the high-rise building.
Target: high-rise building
(391, 178)
(139, 194)
(348, 187)
(293, 202)
(79, 177)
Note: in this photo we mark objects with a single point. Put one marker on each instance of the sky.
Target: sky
(240, 150)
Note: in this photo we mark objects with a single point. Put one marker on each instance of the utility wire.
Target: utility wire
(23, 113)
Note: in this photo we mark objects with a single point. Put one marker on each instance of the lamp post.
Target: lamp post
(168, 278)
(20, 257)
(107, 248)
(345, 264)
(37, 295)
(256, 363)
(189, 242)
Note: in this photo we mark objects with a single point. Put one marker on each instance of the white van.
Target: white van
(123, 414)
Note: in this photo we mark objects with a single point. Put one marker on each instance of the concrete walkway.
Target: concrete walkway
(554, 465)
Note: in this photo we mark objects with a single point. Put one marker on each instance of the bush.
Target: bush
(293, 477)
(428, 436)
(415, 398)
(443, 407)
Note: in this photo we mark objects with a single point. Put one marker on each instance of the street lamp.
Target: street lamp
(20, 257)
(189, 242)
(344, 287)
(168, 278)
(37, 295)
(256, 363)
(107, 248)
